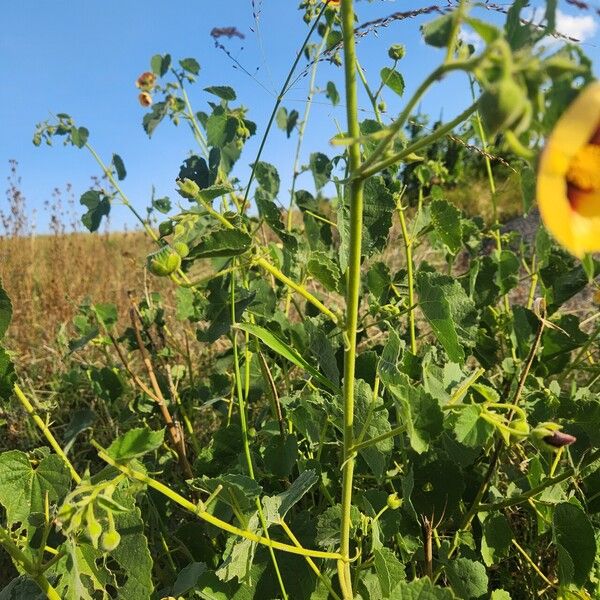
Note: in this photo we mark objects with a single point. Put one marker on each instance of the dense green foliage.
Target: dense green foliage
(447, 463)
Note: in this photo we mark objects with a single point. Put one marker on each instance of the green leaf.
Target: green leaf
(162, 205)
(496, 539)
(5, 311)
(371, 416)
(470, 429)
(238, 491)
(446, 220)
(281, 118)
(393, 79)
(437, 32)
(79, 136)
(220, 127)
(22, 588)
(574, 537)
(119, 166)
(188, 578)
(222, 91)
(421, 414)
(467, 577)
(160, 64)
(527, 180)
(208, 194)
(151, 119)
(281, 454)
(301, 486)
(106, 313)
(500, 595)
(267, 178)
(324, 270)
(389, 569)
(421, 589)
(136, 442)
(79, 574)
(507, 275)
(292, 119)
(279, 346)
(272, 215)
(239, 555)
(98, 206)
(190, 65)
(329, 522)
(449, 311)
(320, 167)
(486, 31)
(24, 484)
(332, 93)
(222, 243)
(7, 374)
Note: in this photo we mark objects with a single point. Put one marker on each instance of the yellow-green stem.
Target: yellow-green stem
(201, 513)
(408, 244)
(355, 197)
(47, 433)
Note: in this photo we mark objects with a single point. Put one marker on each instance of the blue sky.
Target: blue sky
(83, 58)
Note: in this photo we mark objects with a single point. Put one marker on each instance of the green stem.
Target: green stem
(21, 559)
(552, 481)
(372, 96)
(201, 512)
(47, 433)
(261, 262)
(380, 438)
(244, 427)
(302, 127)
(124, 198)
(397, 125)
(355, 194)
(277, 103)
(416, 146)
(408, 245)
(311, 563)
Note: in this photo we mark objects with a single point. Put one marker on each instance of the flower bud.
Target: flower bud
(145, 99)
(188, 189)
(550, 437)
(181, 248)
(396, 51)
(165, 228)
(394, 502)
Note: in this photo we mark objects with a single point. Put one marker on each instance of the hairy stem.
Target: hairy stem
(355, 197)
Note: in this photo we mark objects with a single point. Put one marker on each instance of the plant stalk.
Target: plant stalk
(355, 196)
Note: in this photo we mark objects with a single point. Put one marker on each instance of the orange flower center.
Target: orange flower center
(584, 170)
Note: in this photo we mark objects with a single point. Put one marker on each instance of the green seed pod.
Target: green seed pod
(165, 228)
(93, 526)
(110, 540)
(188, 189)
(502, 105)
(396, 51)
(521, 428)
(394, 502)
(181, 248)
(382, 106)
(163, 262)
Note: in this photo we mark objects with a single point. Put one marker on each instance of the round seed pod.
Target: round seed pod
(501, 105)
(163, 262)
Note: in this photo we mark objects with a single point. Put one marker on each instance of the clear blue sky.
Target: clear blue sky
(83, 58)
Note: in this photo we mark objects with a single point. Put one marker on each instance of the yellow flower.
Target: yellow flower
(568, 183)
(146, 81)
(145, 99)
